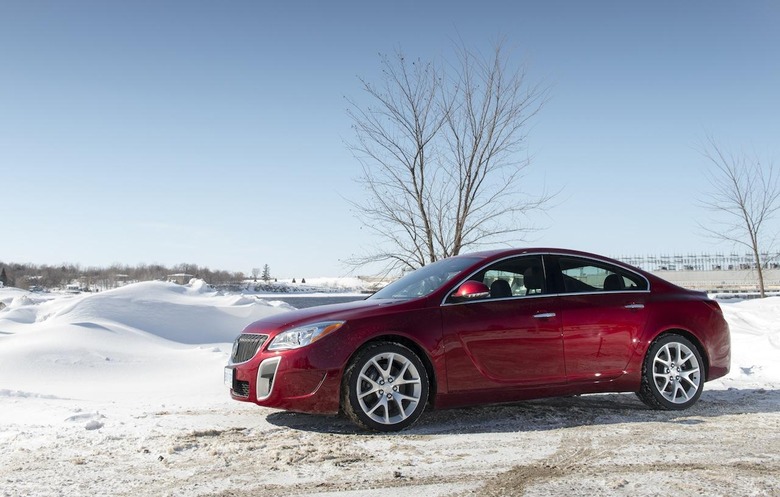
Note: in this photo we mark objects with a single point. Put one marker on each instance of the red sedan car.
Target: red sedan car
(487, 327)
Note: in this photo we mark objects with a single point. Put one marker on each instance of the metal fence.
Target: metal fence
(701, 262)
(714, 273)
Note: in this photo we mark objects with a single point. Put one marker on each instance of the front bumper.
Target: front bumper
(286, 380)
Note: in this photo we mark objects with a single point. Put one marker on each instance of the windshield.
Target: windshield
(425, 280)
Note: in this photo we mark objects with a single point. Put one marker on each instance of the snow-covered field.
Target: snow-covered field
(120, 393)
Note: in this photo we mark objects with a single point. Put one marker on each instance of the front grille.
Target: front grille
(246, 346)
(241, 388)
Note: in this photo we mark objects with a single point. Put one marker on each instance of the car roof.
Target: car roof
(499, 253)
(487, 254)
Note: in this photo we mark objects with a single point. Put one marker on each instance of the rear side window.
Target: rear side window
(585, 275)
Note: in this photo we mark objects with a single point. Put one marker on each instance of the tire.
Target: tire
(672, 373)
(385, 387)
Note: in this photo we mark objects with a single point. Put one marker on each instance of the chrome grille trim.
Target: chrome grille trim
(265, 377)
(246, 346)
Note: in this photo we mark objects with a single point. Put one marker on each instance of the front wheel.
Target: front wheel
(385, 387)
(672, 374)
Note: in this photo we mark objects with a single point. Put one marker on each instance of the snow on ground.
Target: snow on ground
(120, 393)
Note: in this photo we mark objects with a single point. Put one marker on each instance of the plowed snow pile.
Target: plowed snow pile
(120, 393)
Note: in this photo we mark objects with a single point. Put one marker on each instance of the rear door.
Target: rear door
(602, 310)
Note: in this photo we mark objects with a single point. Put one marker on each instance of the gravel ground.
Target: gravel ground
(728, 444)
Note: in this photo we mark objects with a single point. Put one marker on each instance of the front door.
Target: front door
(511, 337)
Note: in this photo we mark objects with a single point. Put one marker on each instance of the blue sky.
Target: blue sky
(213, 132)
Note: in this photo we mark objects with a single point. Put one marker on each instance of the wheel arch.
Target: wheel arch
(691, 338)
(414, 347)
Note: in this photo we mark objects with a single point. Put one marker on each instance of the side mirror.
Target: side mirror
(471, 290)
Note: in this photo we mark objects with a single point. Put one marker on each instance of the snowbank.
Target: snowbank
(755, 343)
(139, 341)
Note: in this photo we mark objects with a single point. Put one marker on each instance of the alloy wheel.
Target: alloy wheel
(389, 388)
(676, 373)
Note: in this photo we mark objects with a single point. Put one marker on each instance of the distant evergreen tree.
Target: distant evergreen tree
(4, 277)
(303, 280)
(266, 276)
(293, 280)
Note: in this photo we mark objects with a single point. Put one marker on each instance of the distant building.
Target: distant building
(180, 278)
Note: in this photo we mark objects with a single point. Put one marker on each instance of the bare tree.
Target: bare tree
(441, 156)
(745, 195)
(397, 153)
(487, 132)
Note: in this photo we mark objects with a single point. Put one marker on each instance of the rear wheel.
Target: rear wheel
(385, 387)
(672, 374)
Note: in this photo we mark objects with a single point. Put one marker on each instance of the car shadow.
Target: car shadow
(551, 414)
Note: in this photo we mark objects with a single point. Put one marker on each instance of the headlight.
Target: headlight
(303, 335)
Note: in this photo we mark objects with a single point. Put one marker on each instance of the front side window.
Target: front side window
(583, 276)
(515, 277)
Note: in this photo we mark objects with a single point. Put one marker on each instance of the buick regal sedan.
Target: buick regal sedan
(486, 327)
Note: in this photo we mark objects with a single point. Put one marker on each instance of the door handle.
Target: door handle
(544, 315)
(634, 306)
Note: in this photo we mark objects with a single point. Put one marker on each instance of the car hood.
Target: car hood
(331, 312)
